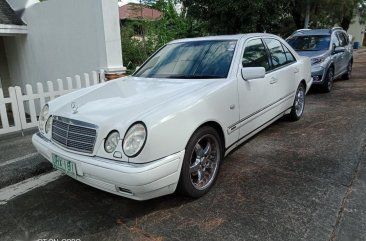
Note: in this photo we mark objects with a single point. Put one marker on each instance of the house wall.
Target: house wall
(357, 30)
(4, 69)
(64, 38)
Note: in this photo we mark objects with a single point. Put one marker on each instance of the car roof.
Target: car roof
(224, 37)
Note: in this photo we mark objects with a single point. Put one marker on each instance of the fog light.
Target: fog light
(124, 190)
(111, 142)
(317, 78)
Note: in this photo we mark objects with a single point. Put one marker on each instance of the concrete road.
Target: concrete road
(302, 180)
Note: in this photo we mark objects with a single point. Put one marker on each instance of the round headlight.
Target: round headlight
(111, 142)
(134, 139)
(48, 124)
(42, 118)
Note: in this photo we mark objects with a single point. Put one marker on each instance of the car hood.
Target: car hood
(126, 100)
(312, 54)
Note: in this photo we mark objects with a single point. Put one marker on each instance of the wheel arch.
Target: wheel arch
(217, 127)
(304, 83)
(331, 65)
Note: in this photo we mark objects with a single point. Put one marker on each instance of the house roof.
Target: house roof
(7, 15)
(132, 11)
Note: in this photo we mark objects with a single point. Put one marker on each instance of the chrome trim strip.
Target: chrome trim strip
(75, 122)
(68, 139)
(253, 131)
(68, 148)
(71, 122)
(265, 109)
(42, 137)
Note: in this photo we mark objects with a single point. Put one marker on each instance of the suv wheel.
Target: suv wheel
(347, 75)
(328, 81)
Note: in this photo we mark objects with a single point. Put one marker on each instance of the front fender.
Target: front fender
(170, 128)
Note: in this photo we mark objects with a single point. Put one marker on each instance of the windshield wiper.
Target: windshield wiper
(196, 77)
(308, 50)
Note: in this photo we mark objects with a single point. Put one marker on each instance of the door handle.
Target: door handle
(296, 70)
(273, 80)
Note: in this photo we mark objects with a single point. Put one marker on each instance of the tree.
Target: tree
(231, 16)
(325, 13)
(151, 35)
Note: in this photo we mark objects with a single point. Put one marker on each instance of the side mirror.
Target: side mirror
(250, 73)
(338, 50)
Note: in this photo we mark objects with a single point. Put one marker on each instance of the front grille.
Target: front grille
(74, 135)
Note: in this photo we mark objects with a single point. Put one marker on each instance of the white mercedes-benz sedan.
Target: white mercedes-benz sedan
(169, 125)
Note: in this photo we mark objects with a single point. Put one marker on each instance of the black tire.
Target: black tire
(297, 109)
(347, 75)
(189, 181)
(328, 81)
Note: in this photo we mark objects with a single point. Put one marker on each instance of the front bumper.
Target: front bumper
(318, 74)
(135, 181)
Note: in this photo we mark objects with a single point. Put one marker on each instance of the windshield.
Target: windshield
(190, 60)
(310, 43)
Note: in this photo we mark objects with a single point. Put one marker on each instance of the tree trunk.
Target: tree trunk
(296, 13)
(307, 15)
(346, 21)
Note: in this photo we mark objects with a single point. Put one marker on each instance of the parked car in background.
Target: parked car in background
(171, 123)
(330, 51)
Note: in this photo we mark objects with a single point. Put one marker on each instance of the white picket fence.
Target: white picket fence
(24, 107)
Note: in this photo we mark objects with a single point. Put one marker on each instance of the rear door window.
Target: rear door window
(342, 39)
(336, 40)
(277, 54)
(346, 38)
(289, 56)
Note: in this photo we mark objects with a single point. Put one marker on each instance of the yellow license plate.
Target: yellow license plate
(64, 165)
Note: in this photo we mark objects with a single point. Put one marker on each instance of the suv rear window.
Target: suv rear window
(342, 39)
(309, 42)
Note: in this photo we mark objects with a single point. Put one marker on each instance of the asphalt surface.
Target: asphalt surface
(302, 180)
(19, 160)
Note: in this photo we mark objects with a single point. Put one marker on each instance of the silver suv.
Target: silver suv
(330, 51)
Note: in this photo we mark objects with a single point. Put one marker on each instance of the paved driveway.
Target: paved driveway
(301, 180)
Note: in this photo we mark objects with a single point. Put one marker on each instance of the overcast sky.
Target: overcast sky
(123, 2)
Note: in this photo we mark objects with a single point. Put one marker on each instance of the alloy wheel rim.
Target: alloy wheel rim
(330, 80)
(299, 101)
(204, 162)
(349, 70)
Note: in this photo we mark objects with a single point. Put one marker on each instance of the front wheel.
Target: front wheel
(298, 106)
(201, 163)
(328, 81)
(347, 75)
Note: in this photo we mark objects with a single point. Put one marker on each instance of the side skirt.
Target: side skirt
(255, 131)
